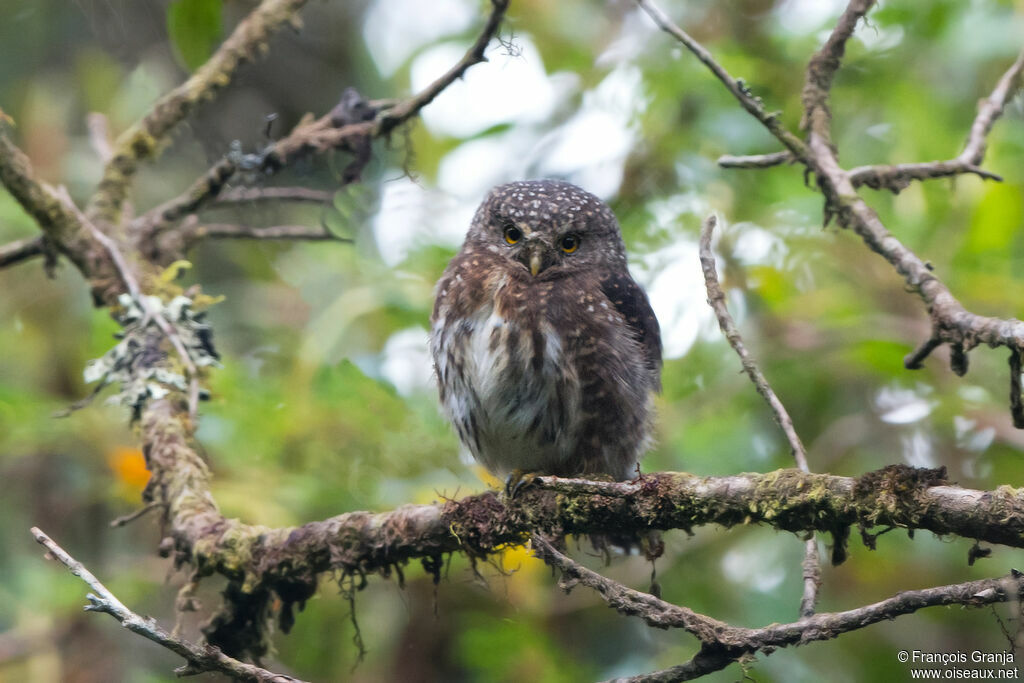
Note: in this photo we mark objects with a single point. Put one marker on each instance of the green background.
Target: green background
(325, 403)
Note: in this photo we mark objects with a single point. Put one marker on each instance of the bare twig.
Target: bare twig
(899, 176)
(990, 109)
(716, 298)
(821, 70)
(99, 135)
(20, 250)
(737, 87)
(202, 191)
(132, 516)
(253, 195)
(894, 178)
(756, 160)
(200, 659)
(724, 644)
(324, 133)
(1016, 404)
(389, 119)
(274, 232)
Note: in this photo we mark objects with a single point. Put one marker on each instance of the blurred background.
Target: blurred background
(326, 401)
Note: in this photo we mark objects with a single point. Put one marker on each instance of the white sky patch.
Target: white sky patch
(877, 37)
(672, 277)
(757, 564)
(398, 220)
(897, 405)
(632, 41)
(590, 149)
(800, 17)
(675, 286)
(474, 167)
(756, 246)
(411, 217)
(505, 89)
(969, 437)
(406, 363)
(972, 393)
(395, 29)
(917, 449)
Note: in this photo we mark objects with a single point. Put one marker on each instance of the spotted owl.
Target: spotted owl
(547, 352)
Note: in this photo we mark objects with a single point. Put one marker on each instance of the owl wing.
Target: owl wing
(631, 302)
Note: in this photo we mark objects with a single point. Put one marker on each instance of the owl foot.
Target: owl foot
(517, 480)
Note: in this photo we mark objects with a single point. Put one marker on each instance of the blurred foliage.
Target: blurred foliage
(194, 27)
(325, 402)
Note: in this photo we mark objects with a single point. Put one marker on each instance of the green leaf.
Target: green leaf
(195, 28)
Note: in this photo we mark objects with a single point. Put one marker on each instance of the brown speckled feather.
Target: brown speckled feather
(547, 351)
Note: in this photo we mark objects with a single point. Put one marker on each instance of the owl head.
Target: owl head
(548, 228)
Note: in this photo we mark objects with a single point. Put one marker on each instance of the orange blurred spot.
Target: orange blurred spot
(128, 466)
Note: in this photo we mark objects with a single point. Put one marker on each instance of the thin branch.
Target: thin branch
(653, 610)
(1016, 404)
(390, 119)
(324, 133)
(756, 160)
(255, 195)
(44, 204)
(990, 109)
(200, 659)
(723, 644)
(737, 87)
(203, 190)
(898, 177)
(716, 298)
(895, 178)
(21, 250)
(142, 141)
(151, 313)
(339, 129)
(99, 135)
(124, 520)
(821, 71)
(275, 232)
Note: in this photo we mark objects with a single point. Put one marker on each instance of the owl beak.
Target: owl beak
(535, 262)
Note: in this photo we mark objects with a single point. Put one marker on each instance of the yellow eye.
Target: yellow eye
(570, 243)
(513, 234)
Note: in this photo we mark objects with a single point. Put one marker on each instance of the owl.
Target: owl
(547, 352)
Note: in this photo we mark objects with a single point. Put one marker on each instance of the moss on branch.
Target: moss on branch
(264, 562)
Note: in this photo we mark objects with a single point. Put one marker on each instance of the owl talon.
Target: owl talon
(517, 480)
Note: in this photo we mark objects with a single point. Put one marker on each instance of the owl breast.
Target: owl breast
(508, 383)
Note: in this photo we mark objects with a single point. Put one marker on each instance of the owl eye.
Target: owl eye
(513, 234)
(570, 243)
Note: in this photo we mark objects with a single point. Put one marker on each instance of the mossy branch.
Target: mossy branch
(363, 542)
(265, 564)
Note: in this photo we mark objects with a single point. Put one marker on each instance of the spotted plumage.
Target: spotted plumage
(547, 352)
